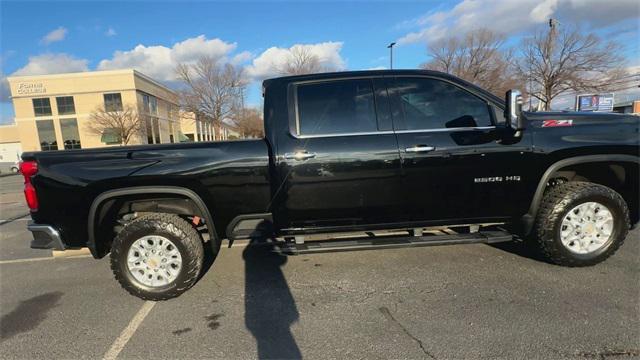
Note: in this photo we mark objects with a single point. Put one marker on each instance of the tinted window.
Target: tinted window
(46, 135)
(147, 123)
(70, 136)
(112, 102)
(156, 130)
(65, 105)
(435, 104)
(336, 107)
(42, 107)
(499, 115)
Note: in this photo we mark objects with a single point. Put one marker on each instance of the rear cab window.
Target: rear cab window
(336, 107)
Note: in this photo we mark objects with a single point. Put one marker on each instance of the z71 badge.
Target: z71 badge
(497, 179)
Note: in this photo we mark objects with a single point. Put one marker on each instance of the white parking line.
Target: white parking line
(17, 261)
(25, 217)
(239, 243)
(128, 332)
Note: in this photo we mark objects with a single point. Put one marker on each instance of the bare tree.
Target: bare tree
(559, 61)
(125, 124)
(250, 124)
(213, 89)
(479, 57)
(302, 61)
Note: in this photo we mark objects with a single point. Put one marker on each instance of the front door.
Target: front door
(340, 161)
(457, 164)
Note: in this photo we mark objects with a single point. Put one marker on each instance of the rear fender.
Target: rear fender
(101, 199)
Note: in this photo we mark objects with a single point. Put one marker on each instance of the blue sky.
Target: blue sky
(49, 37)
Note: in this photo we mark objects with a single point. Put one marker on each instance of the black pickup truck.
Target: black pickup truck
(368, 152)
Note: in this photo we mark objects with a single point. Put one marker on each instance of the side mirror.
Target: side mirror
(513, 110)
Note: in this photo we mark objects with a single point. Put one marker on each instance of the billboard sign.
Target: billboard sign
(595, 102)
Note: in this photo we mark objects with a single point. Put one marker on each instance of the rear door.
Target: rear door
(457, 164)
(339, 160)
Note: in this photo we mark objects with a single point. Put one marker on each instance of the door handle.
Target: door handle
(299, 155)
(420, 148)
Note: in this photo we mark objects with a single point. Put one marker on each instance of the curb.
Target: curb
(70, 252)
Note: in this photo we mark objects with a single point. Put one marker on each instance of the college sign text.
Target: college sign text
(31, 88)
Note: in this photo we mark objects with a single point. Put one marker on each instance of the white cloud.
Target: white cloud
(110, 32)
(267, 63)
(41, 65)
(242, 57)
(52, 64)
(159, 61)
(55, 35)
(509, 16)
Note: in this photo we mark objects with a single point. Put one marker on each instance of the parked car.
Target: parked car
(343, 152)
(9, 167)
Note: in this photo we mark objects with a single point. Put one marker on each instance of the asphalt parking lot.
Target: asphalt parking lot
(463, 301)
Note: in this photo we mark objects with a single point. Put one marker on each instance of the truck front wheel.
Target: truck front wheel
(157, 256)
(581, 223)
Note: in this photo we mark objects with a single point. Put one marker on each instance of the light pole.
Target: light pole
(390, 47)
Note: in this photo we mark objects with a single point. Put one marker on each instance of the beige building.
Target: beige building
(198, 129)
(54, 112)
(10, 147)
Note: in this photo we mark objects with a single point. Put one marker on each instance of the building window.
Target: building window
(65, 105)
(70, 136)
(150, 104)
(112, 102)
(147, 122)
(205, 131)
(153, 105)
(47, 135)
(42, 107)
(171, 132)
(156, 130)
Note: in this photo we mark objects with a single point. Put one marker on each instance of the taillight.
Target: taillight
(28, 169)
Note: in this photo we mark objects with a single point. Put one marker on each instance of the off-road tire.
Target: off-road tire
(557, 202)
(180, 232)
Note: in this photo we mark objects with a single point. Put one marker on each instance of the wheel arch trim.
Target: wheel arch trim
(137, 190)
(529, 218)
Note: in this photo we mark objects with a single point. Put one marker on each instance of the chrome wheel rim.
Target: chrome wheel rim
(154, 261)
(586, 228)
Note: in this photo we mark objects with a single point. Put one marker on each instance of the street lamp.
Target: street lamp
(390, 47)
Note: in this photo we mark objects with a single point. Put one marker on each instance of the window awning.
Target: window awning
(182, 137)
(110, 136)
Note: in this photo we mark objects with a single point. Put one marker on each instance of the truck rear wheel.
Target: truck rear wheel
(157, 256)
(581, 223)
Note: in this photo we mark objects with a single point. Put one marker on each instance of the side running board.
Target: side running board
(487, 237)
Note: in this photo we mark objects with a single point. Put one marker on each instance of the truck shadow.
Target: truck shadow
(520, 248)
(270, 309)
(28, 314)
